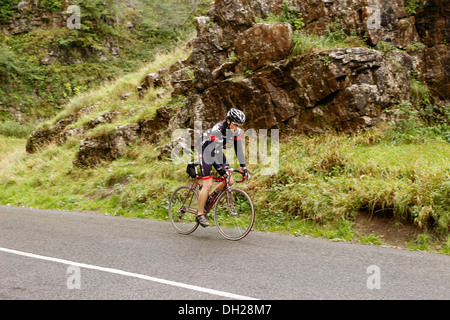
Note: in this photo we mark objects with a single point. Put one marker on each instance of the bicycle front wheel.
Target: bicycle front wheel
(183, 207)
(234, 214)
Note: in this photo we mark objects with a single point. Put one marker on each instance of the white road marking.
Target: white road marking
(131, 274)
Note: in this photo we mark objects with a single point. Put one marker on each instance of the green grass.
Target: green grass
(322, 183)
(334, 37)
(306, 43)
(15, 129)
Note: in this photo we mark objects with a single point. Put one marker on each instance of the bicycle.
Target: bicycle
(234, 213)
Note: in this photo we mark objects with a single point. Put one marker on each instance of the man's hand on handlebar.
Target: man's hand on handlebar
(246, 173)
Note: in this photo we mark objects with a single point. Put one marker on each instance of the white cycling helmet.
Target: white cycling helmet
(236, 115)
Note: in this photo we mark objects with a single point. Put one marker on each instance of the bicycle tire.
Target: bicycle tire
(183, 222)
(234, 217)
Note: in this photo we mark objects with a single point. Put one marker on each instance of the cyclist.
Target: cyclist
(210, 147)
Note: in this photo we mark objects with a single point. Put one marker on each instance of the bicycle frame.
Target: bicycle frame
(196, 184)
(234, 223)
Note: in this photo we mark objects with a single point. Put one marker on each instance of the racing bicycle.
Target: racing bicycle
(234, 213)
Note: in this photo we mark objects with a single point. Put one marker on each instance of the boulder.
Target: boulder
(40, 138)
(154, 80)
(106, 147)
(149, 128)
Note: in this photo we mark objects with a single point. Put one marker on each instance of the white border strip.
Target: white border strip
(130, 274)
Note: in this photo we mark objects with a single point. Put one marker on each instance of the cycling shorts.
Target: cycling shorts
(218, 161)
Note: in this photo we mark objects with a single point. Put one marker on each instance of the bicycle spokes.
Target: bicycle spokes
(183, 210)
(234, 215)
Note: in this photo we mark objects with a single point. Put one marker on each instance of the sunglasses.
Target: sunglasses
(237, 124)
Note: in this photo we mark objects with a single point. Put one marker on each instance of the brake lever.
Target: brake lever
(243, 175)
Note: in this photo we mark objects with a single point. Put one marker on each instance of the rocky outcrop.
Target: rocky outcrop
(61, 132)
(95, 150)
(237, 63)
(340, 89)
(31, 16)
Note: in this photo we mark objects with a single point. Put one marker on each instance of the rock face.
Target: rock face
(239, 64)
(31, 16)
(343, 89)
(263, 43)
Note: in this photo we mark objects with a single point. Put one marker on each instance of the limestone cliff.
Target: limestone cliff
(340, 89)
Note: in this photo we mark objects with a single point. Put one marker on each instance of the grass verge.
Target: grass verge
(321, 186)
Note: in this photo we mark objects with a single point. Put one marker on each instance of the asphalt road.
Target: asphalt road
(62, 255)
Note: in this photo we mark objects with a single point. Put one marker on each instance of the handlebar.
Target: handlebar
(241, 172)
(231, 170)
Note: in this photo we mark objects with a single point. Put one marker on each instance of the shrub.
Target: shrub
(9, 8)
(411, 6)
(51, 5)
(15, 129)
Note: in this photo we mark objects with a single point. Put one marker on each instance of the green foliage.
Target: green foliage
(8, 9)
(416, 124)
(385, 47)
(322, 183)
(416, 46)
(51, 5)
(325, 179)
(289, 15)
(15, 130)
(334, 37)
(412, 5)
(9, 66)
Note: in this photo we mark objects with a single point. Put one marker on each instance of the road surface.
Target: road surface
(71, 255)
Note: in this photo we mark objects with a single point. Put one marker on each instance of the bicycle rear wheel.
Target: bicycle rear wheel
(183, 207)
(234, 214)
